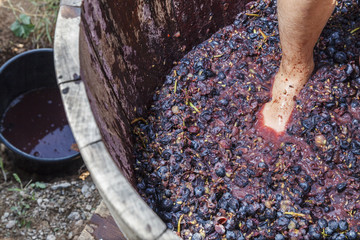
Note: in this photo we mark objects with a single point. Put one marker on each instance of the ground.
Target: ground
(11, 45)
(49, 207)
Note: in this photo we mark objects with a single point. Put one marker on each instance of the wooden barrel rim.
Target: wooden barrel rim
(133, 216)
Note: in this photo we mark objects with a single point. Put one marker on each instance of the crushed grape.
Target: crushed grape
(202, 165)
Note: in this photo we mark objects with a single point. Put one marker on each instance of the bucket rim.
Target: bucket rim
(20, 55)
(43, 160)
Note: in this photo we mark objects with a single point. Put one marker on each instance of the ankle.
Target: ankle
(296, 66)
(290, 80)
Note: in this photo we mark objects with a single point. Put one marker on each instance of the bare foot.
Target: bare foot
(287, 84)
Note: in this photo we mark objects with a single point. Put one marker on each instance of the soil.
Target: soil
(55, 206)
(11, 45)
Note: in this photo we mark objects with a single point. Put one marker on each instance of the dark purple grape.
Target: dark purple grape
(169, 80)
(343, 225)
(197, 236)
(262, 165)
(233, 204)
(352, 235)
(315, 235)
(241, 236)
(150, 191)
(166, 216)
(176, 207)
(209, 227)
(340, 57)
(230, 235)
(199, 191)
(349, 69)
(328, 231)
(170, 226)
(279, 237)
(185, 210)
(201, 76)
(344, 144)
(333, 225)
(355, 147)
(168, 193)
(341, 187)
(331, 51)
(250, 224)
(221, 76)
(305, 186)
(224, 102)
(341, 236)
(296, 169)
(163, 171)
(209, 73)
(167, 204)
(283, 221)
(322, 223)
(220, 172)
(166, 154)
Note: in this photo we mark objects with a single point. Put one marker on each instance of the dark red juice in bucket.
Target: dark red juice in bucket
(36, 124)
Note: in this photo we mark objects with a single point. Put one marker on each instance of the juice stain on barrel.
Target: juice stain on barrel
(36, 124)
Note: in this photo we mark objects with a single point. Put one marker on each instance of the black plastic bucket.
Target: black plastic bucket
(26, 72)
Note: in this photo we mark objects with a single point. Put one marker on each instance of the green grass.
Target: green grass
(36, 23)
(25, 199)
(44, 21)
(3, 169)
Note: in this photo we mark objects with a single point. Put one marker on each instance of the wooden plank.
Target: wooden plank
(112, 120)
(101, 226)
(66, 44)
(106, 228)
(134, 217)
(78, 113)
(74, 3)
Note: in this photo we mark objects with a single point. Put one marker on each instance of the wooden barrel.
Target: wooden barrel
(110, 56)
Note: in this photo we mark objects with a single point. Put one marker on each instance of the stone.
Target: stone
(5, 216)
(74, 216)
(86, 191)
(88, 207)
(10, 224)
(60, 185)
(51, 237)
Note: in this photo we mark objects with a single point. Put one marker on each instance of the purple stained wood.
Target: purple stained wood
(108, 113)
(126, 49)
(106, 228)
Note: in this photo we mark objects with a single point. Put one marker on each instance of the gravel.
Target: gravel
(60, 210)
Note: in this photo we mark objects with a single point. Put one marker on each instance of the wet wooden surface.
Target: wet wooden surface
(101, 226)
(127, 47)
(106, 228)
(109, 115)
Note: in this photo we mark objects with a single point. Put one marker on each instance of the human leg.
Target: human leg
(300, 25)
